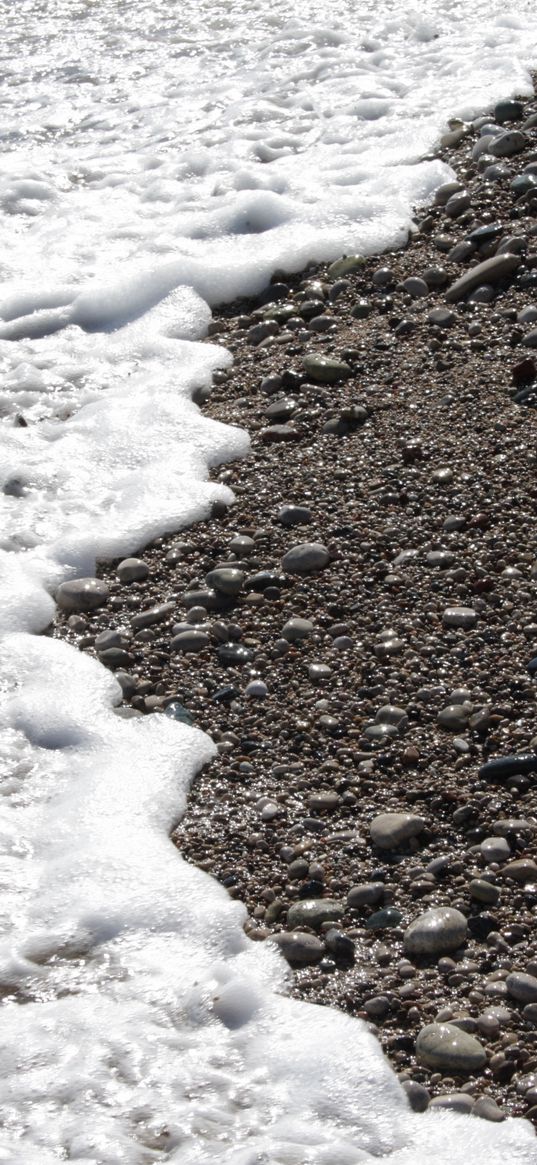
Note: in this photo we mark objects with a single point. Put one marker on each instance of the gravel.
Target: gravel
(407, 459)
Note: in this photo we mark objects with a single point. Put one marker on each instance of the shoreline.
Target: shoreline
(416, 451)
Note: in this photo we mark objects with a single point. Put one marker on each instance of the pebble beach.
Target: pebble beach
(358, 631)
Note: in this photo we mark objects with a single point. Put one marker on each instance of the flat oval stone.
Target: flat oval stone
(314, 911)
(326, 370)
(369, 894)
(82, 594)
(305, 557)
(384, 919)
(234, 654)
(436, 932)
(522, 987)
(521, 870)
(290, 515)
(256, 690)
(319, 672)
(454, 718)
(483, 891)
(153, 615)
(115, 657)
(415, 287)
(508, 110)
(490, 271)
(226, 579)
(264, 579)
(442, 317)
(389, 830)
(448, 1049)
(296, 629)
(453, 1101)
(502, 767)
(464, 617)
(391, 714)
(345, 266)
(132, 569)
(495, 849)
(190, 642)
(298, 947)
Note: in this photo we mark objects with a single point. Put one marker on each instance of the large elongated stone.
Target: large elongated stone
(490, 271)
(501, 767)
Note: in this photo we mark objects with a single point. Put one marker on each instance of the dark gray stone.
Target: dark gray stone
(490, 271)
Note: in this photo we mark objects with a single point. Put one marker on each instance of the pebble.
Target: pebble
(490, 271)
(113, 657)
(417, 1094)
(319, 672)
(436, 932)
(242, 545)
(486, 1108)
(483, 891)
(458, 203)
(339, 944)
(345, 266)
(521, 870)
(132, 569)
(446, 191)
(522, 987)
(389, 830)
(296, 629)
(384, 919)
(463, 617)
(454, 717)
(325, 370)
(190, 642)
(442, 317)
(368, 894)
(446, 1048)
(256, 689)
(506, 144)
(313, 912)
(152, 615)
(226, 579)
(415, 287)
(82, 594)
(508, 110)
(453, 1101)
(305, 557)
(177, 711)
(495, 849)
(298, 947)
(294, 515)
(234, 653)
(391, 714)
(502, 767)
